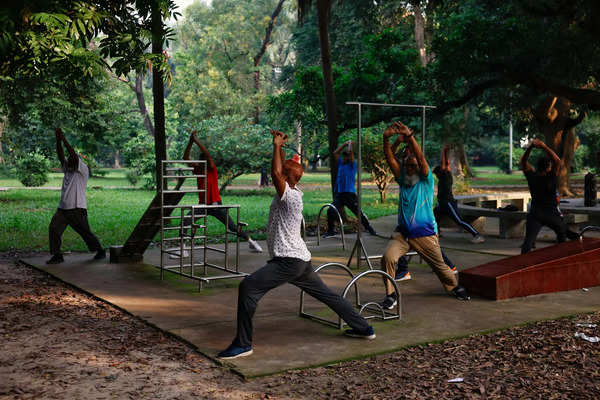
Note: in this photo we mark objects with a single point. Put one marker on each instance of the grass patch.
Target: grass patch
(26, 214)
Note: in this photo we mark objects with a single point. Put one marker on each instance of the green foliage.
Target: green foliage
(133, 176)
(374, 162)
(138, 153)
(236, 145)
(502, 156)
(32, 169)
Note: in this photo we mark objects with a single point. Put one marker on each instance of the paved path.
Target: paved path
(284, 341)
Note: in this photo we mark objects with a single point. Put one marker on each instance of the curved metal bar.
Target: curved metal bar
(588, 228)
(372, 303)
(328, 205)
(384, 276)
(317, 270)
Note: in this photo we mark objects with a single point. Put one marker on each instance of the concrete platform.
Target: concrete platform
(285, 341)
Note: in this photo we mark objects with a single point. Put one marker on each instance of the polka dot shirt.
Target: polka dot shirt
(283, 228)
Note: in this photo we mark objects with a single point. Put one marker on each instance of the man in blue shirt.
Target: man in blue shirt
(345, 190)
(416, 228)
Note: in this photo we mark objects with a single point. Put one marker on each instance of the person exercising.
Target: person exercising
(289, 259)
(213, 197)
(72, 209)
(416, 228)
(345, 190)
(446, 203)
(544, 206)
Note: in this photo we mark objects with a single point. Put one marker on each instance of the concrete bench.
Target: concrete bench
(511, 223)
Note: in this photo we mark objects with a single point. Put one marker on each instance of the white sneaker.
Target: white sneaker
(478, 239)
(178, 254)
(254, 246)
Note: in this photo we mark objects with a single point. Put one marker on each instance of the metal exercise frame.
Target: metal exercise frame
(187, 242)
(359, 245)
(337, 212)
(375, 308)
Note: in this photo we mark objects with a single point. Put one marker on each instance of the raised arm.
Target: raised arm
(387, 150)
(277, 176)
(58, 133)
(554, 158)
(188, 149)
(72, 153)
(445, 162)
(204, 151)
(414, 147)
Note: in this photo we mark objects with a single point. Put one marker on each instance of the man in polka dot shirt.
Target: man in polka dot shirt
(290, 259)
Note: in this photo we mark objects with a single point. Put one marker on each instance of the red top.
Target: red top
(212, 190)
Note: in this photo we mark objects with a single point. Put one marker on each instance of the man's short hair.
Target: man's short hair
(543, 163)
(437, 170)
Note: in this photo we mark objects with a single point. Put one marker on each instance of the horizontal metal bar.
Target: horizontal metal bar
(182, 161)
(184, 176)
(180, 169)
(389, 104)
(216, 249)
(185, 191)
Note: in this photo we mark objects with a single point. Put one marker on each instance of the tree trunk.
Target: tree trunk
(298, 125)
(160, 145)
(117, 163)
(558, 129)
(420, 32)
(323, 13)
(139, 94)
(261, 52)
(2, 126)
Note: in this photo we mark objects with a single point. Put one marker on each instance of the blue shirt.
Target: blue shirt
(415, 208)
(346, 177)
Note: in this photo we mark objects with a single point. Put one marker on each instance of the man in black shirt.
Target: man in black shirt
(446, 203)
(544, 205)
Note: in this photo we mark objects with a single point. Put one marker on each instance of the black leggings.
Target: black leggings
(222, 215)
(300, 273)
(347, 199)
(449, 208)
(549, 217)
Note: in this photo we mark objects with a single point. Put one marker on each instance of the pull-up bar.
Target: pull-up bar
(359, 245)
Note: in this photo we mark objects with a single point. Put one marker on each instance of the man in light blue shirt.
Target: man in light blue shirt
(416, 228)
(345, 190)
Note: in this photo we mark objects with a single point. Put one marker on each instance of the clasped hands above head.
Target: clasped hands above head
(278, 136)
(398, 128)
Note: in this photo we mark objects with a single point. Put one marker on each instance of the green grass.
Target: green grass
(490, 176)
(26, 214)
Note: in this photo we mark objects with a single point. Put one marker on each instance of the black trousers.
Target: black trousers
(300, 273)
(345, 199)
(222, 215)
(77, 219)
(450, 209)
(549, 217)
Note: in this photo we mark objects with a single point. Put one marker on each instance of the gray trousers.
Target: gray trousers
(300, 273)
(77, 219)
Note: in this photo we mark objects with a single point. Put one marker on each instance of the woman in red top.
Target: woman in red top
(212, 191)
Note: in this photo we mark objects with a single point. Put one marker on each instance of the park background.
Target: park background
(232, 70)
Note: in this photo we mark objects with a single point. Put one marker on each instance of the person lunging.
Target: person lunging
(416, 228)
(72, 209)
(345, 190)
(290, 260)
(544, 208)
(446, 203)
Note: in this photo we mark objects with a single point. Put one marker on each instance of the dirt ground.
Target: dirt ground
(58, 343)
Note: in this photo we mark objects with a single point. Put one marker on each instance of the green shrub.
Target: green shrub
(133, 176)
(501, 156)
(32, 169)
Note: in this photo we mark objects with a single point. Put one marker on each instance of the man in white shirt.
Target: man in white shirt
(290, 260)
(72, 209)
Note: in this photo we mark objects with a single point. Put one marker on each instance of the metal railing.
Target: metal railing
(180, 240)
